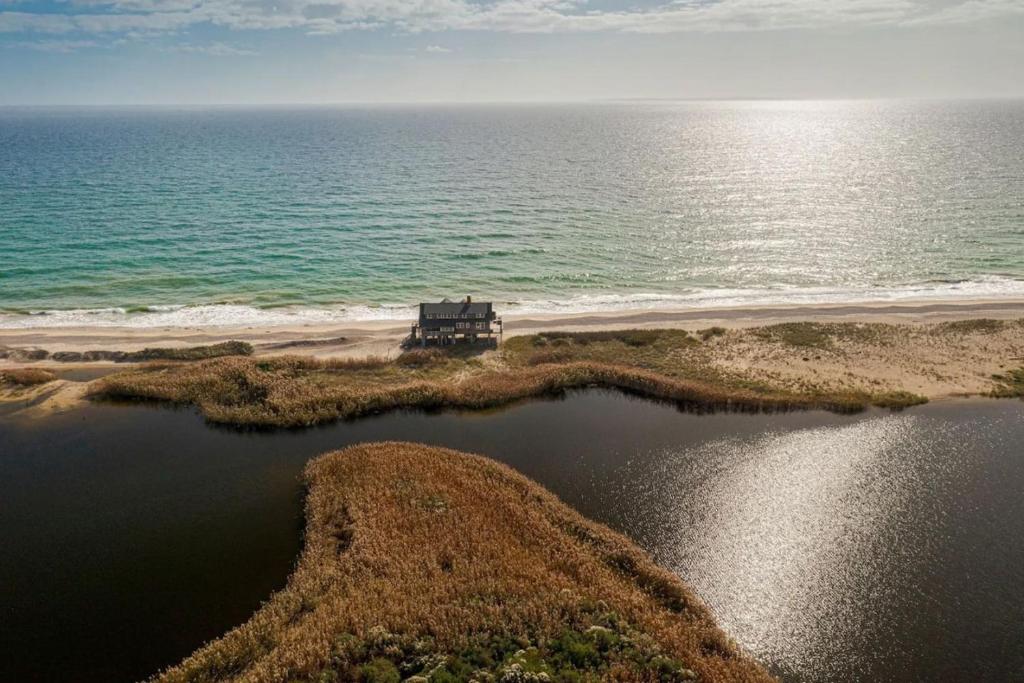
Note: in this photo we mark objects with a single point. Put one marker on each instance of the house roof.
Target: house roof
(456, 307)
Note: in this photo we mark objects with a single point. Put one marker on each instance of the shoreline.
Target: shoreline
(841, 358)
(355, 339)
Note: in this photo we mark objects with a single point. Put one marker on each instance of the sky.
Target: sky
(168, 52)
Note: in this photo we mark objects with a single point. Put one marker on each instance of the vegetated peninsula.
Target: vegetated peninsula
(837, 366)
(423, 563)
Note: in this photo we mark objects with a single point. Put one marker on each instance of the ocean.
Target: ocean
(225, 216)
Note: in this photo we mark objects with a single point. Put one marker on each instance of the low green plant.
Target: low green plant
(711, 333)
(379, 670)
(974, 326)
(804, 335)
(1009, 384)
(634, 338)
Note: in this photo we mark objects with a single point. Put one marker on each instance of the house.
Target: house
(447, 321)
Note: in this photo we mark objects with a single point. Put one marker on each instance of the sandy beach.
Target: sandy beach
(354, 339)
(824, 355)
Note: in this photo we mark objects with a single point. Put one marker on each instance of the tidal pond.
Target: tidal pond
(881, 546)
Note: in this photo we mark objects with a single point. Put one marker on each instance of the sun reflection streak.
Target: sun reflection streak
(787, 533)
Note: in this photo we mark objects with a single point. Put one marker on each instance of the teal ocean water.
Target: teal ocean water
(157, 217)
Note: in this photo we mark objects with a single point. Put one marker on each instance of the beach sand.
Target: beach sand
(917, 356)
(353, 339)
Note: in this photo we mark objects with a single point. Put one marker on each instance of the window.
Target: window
(430, 316)
(479, 326)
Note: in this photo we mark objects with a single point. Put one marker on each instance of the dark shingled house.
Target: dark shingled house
(447, 321)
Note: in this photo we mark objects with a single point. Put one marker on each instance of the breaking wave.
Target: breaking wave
(241, 315)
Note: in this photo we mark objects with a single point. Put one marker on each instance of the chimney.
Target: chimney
(469, 299)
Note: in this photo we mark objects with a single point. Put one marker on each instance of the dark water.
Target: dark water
(876, 547)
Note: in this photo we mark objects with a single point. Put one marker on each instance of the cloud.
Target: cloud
(510, 16)
(62, 46)
(437, 49)
(26, 22)
(213, 49)
(971, 11)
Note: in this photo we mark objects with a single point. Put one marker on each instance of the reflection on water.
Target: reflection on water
(793, 518)
(867, 550)
(881, 546)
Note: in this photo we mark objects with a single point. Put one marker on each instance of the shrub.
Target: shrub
(228, 348)
(711, 332)
(27, 377)
(575, 650)
(379, 670)
(897, 400)
(1009, 384)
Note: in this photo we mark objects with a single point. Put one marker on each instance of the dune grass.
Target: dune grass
(808, 335)
(26, 377)
(671, 365)
(679, 356)
(826, 336)
(1009, 384)
(228, 348)
(711, 332)
(424, 564)
(973, 326)
(181, 353)
(294, 392)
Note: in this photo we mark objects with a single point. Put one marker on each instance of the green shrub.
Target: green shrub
(574, 649)
(379, 670)
(1009, 384)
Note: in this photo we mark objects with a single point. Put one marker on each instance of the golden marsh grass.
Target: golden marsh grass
(672, 365)
(835, 366)
(292, 392)
(425, 562)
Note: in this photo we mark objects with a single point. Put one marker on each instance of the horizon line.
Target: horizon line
(603, 100)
